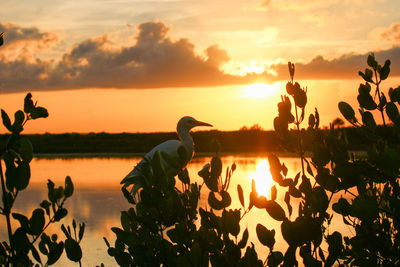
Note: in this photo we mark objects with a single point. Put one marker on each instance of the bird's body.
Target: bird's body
(171, 148)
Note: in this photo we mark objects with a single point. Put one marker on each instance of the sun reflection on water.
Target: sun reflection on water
(262, 178)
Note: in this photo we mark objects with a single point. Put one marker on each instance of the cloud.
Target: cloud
(154, 61)
(157, 61)
(391, 34)
(344, 67)
(21, 35)
(295, 4)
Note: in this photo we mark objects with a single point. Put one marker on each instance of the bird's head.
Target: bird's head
(187, 123)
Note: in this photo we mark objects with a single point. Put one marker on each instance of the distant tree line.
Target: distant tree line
(242, 141)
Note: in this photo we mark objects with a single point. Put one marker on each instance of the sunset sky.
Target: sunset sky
(138, 66)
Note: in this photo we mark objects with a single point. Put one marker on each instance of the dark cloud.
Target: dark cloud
(16, 34)
(156, 61)
(344, 67)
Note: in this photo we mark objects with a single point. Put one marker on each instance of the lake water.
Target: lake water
(98, 200)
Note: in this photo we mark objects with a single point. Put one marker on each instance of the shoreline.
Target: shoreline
(360, 153)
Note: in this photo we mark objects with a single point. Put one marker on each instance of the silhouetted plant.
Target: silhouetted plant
(163, 227)
(374, 210)
(369, 186)
(24, 241)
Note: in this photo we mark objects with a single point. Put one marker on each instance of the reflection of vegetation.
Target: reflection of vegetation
(161, 228)
(17, 154)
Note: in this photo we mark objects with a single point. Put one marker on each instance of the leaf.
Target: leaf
(305, 185)
(69, 187)
(335, 246)
(265, 236)
(347, 112)
(296, 178)
(365, 208)
(366, 101)
(6, 120)
(81, 231)
(11, 177)
(39, 112)
(35, 254)
(260, 202)
(273, 192)
(284, 169)
(319, 199)
(60, 213)
(392, 112)
(23, 221)
(216, 167)
(326, 180)
(55, 253)
(219, 204)
(275, 210)
(183, 176)
(20, 241)
(368, 120)
(37, 221)
(242, 243)
(286, 182)
(106, 241)
(28, 103)
(43, 249)
(23, 176)
(205, 171)
(125, 221)
(368, 75)
(274, 259)
(46, 205)
(19, 118)
(371, 61)
(66, 233)
(26, 149)
(294, 192)
(287, 201)
(128, 196)
(211, 183)
(385, 70)
(309, 170)
(311, 121)
(73, 250)
(275, 168)
(240, 193)
(365, 77)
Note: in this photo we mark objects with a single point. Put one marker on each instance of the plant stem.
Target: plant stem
(379, 96)
(301, 153)
(6, 211)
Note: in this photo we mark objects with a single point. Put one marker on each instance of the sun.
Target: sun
(259, 90)
(262, 178)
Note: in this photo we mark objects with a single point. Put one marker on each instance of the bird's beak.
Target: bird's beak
(200, 123)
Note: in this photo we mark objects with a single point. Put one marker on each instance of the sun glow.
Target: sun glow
(262, 178)
(260, 90)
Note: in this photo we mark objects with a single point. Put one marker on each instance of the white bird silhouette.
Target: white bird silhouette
(171, 148)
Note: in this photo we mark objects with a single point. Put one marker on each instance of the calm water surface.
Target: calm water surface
(98, 200)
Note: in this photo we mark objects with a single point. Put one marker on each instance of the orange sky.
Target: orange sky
(135, 66)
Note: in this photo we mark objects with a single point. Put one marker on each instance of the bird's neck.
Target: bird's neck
(187, 141)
